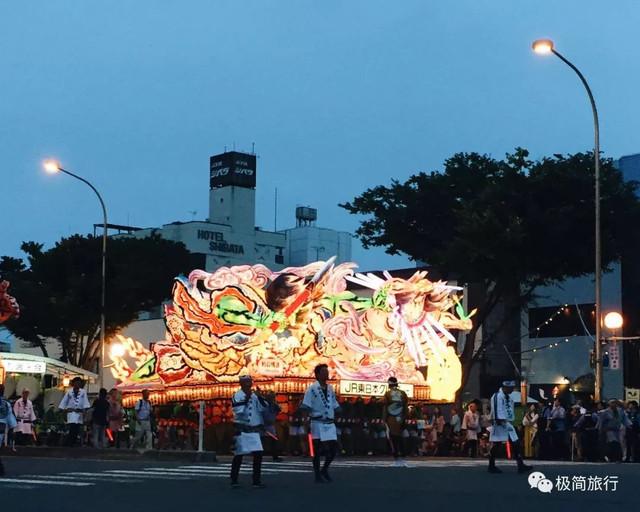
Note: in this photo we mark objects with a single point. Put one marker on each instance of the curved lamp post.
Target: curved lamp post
(546, 47)
(53, 167)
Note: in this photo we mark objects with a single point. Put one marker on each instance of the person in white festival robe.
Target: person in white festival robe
(502, 429)
(74, 403)
(248, 421)
(25, 415)
(320, 404)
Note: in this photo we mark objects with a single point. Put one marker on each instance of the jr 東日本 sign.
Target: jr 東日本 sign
(18, 366)
(365, 388)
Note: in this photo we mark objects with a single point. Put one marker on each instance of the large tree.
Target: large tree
(59, 289)
(509, 225)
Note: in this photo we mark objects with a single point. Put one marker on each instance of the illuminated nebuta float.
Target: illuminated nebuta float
(277, 326)
(8, 305)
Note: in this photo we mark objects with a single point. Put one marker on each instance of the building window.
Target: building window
(562, 321)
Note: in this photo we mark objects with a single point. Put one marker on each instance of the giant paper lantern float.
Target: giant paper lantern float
(8, 305)
(277, 326)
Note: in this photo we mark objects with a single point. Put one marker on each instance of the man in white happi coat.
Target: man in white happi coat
(320, 404)
(74, 403)
(502, 430)
(25, 416)
(248, 422)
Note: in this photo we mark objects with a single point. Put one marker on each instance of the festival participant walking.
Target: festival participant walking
(502, 430)
(144, 415)
(74, 403)
(471, 425)
(100, 419)
(25, 415)
(320, 404)
(248, 408)
(394, 413)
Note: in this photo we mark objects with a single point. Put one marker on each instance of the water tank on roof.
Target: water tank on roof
(306, 216)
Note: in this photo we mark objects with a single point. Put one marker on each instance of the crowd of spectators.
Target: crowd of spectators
(552, 431)
(604, 431)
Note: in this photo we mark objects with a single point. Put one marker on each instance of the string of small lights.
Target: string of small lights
(546, 322)
(550, 345)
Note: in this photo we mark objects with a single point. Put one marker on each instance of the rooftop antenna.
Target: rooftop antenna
(275, 212)
(253, 148)
(225, 149)
(193, 214)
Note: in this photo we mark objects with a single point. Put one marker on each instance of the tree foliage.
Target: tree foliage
(510, 224)
(59, 289)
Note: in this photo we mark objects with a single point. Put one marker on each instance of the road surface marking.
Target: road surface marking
(45, 482)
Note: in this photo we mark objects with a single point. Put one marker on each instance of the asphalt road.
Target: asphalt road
(68, 485)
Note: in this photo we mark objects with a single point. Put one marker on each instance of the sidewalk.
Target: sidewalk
(63, 452)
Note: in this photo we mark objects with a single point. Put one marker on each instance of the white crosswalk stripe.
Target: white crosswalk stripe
(85, 477)
(147, 476)
(205, 470)
(222, 470)
(44, 482)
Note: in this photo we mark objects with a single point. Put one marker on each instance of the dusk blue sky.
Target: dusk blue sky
(338, 96)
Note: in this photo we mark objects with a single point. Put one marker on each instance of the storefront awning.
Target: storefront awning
(30, 364)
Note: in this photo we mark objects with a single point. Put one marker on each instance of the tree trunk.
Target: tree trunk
(468, 353)
(466, 363)
(91, 353)
(42, 346)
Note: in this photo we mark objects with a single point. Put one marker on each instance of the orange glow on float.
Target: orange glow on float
(277, 326)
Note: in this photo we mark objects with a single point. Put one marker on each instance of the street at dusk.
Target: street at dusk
(300, 255)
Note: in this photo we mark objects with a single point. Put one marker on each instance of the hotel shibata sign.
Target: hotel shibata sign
(217, 243)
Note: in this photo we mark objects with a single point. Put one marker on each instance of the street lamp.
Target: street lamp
(53, 167)
(545, 47)
(613, 320)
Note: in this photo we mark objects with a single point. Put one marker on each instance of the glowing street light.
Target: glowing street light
(542, 46)
(545, 47)
(54, 167)
(613, 320)
(51, 166)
